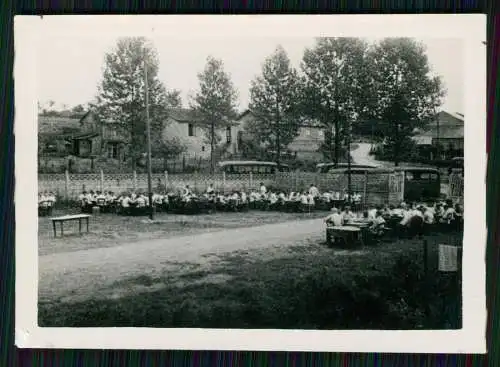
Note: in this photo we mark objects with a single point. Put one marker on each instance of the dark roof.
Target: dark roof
(186, 115)
(451, 126)
(56, 125)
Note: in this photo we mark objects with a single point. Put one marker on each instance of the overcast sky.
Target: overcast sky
(70, 69)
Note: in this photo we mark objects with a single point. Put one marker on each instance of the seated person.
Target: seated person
(48, 202)
(334, 219)
(303, 201)
(449, 213)
(210, 190)
(263, 189)
(428, 215)
(110, 197)
(82, 198)
(377, 226)
(125, 203)
(141, 200)
(348, 215)
(327, 197)
(100, 198)
(372, 213)
(273, 200)
(187, 191)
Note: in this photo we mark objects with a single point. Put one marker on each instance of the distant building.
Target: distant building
(81, 136)
(444, 137)
(191, 130)
(305, 146)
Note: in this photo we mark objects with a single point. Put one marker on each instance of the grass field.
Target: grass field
(307, 286)
(108, 230)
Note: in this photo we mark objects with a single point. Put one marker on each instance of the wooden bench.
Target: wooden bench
(67, 218)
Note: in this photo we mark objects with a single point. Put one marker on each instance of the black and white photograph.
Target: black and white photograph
(247, 182)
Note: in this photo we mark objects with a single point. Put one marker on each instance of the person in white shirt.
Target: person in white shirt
(439, 210)
(407, 215)
(372, 213)
(125, 204)
(377, 226)
(428, 216)
(82, 197)
(273, 198)
(141, 201)
(337, 195)
(303, 201)
(263, 189)
(157, 199)
(348, 215)
(186, 191)
(210, 190)
(334, 219)
(282, 197)
(449, 214)
(313, 190)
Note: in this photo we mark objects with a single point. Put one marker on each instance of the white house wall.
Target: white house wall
(197, 145)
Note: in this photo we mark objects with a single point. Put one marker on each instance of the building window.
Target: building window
(307, 132)
(190, 130)
(228, 134)
(113, 150)
(320, 134)
(203, 148)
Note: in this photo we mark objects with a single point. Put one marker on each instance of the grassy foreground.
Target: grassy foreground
(303, 287)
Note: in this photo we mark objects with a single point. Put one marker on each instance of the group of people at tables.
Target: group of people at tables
(46, 202)
(188, 201)
(403, 220)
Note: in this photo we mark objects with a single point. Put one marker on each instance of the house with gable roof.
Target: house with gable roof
(445, 131)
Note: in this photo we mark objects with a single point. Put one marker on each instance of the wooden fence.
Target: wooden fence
(375, 188)
(456, 187)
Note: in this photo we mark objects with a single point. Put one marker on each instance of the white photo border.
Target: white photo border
(470, 339)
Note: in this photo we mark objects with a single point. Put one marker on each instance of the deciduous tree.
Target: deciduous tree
(273, 101)
(121, 94)
(405, 94)
(334, 78)
(215, 102)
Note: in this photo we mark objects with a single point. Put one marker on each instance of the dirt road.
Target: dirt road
(81, 271)
(361, 155)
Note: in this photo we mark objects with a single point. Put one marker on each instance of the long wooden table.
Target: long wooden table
(349, 234)
(67, 218)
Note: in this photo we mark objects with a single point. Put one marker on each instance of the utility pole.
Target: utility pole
(148, 133)
(349, 191)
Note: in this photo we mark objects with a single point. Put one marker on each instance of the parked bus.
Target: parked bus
(254, 167)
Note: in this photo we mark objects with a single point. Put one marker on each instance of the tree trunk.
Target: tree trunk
(337, 143)
(278, 143)
(212, 147)
(396, 147)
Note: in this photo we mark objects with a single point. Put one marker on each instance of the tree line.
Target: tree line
(341, 84)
